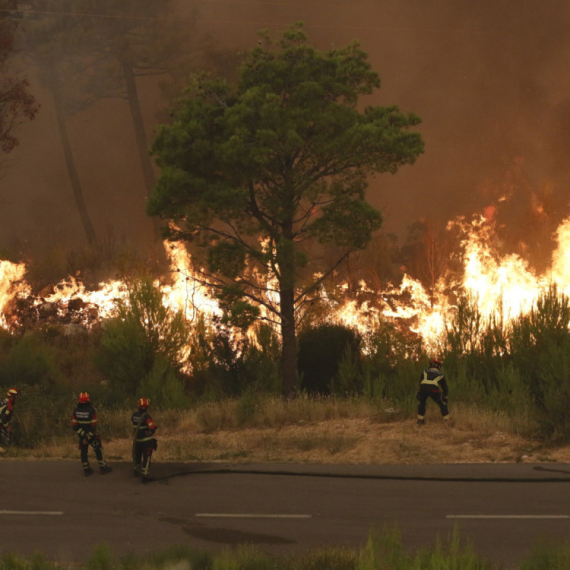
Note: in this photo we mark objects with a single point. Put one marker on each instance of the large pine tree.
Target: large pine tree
(254, 172)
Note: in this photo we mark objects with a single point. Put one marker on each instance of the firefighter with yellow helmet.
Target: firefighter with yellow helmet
(433, 385)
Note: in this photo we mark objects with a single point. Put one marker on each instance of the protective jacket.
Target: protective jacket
(433, 379)
(6, 411)
(143, 426)
(84, 420)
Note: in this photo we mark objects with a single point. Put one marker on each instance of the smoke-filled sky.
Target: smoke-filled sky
(489, 78)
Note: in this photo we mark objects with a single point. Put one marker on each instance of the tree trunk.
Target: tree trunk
(140, 135)
(290, 379)
(69, 160)
(285, 253)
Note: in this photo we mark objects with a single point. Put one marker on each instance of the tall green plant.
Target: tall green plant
(143, 331)
(463, 333)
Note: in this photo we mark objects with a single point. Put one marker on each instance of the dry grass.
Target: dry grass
(322, 431)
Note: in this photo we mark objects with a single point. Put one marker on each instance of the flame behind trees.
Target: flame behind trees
(255, 172)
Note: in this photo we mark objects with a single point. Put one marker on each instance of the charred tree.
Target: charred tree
(76, 186)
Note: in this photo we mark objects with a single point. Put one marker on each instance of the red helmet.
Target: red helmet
(143, 403)
(84, 398)
(13, 393)
(435, 363)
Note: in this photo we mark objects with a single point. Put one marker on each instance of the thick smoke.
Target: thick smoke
(488, 78)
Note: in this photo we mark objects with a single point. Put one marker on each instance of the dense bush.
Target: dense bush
(392, 364)
(223, 365)
(144, 343)
(30, 360)
(324, 352)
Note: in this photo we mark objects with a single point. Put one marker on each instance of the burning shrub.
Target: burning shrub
(144, 330)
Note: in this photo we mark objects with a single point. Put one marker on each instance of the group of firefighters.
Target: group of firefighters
(84, 422)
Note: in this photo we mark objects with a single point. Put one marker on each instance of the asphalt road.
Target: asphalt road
(48, 506)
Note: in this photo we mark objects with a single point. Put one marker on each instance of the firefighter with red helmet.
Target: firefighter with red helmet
(433, 385)
(84, 423)
(144, 442)
(6, 413)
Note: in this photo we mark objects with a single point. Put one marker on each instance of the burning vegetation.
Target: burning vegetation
(500, 288)
(501, 328)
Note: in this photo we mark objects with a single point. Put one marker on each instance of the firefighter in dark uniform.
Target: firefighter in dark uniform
(144, 442)
(433, 385)
(6, 412)
(84, 422)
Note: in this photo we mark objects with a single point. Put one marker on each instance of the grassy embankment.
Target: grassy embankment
(383, 551)
(328, 430)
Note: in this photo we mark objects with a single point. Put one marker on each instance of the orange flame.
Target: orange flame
(503, 286)
(11, 275)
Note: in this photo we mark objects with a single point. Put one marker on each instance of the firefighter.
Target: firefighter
(433, 385)
(6, 412)
(84, 422)
(144, 442)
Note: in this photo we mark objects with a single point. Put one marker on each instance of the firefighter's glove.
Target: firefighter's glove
(418, 396)
(444, 398)
(81, 432)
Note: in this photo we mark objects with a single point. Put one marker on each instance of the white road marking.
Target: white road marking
(51, 513)
(507, 517)
(250, 516)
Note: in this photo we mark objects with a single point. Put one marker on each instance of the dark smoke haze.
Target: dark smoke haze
(489, 78)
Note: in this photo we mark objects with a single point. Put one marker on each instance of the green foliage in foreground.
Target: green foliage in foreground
(383, 551)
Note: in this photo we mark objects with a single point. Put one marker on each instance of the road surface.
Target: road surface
(49, 507)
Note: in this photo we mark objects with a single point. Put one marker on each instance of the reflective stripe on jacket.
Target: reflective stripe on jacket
(433, 378)
(143, 426)
(84, 419)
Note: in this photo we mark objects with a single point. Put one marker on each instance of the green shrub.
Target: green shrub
(262, 361)
(100, 559)
(553, 380)
(321, 350)
(164, 385)
(30, 361)
(326, 559)
(42, 411)
(349, 378)
(547, 555)
(223, 365)
(198, 560)
(143, 331)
